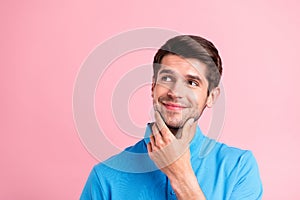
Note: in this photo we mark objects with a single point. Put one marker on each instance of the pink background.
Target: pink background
(43, 44)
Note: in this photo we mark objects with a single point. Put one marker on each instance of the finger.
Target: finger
(149, 148)
(157, 135)
(162, 127)
(188, 132)
(155, 107)
(152, 142)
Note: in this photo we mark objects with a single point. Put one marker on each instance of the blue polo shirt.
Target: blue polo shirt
(223, 173)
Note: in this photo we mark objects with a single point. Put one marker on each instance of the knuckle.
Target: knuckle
(163, 130)
(168, 140)
(159, 143)
(151, 155)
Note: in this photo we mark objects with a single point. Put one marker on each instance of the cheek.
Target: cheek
(158, 91)
(194, 98)
(198, 100)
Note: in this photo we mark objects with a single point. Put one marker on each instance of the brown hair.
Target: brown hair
(190, 46)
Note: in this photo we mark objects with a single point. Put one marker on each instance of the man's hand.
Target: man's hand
(165, 149)
(172, 156)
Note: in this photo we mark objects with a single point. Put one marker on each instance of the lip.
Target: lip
(173, 106)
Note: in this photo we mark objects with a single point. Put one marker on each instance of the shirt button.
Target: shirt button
(172, 192)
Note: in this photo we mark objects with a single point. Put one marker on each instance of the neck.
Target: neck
(177, 132)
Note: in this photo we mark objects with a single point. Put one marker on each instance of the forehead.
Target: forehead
(183, 66)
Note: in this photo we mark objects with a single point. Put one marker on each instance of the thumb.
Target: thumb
(187, 130)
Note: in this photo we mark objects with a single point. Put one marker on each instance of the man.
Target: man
(187, 72)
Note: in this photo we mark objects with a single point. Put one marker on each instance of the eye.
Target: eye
(166, 78)
(193, 83)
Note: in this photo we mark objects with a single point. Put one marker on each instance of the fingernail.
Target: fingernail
(191, 121)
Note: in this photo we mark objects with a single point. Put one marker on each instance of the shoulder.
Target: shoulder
(139, 147)
(133, 159)
(230, 159)
(224, 151)
(241, 166)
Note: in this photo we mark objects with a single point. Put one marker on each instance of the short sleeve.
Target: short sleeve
(248, 183)
(93, 189)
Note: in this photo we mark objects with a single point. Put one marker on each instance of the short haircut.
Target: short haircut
(190, 46)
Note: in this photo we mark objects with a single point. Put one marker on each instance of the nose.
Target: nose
(176, 90)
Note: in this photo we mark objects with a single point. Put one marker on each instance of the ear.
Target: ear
(213, 96)
(152, 86)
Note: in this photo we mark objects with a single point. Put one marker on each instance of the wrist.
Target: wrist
(183, 181)
(186, 186)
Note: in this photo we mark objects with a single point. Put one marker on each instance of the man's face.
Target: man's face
(180, 90)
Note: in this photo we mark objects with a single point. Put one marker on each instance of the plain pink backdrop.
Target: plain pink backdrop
(43, 44)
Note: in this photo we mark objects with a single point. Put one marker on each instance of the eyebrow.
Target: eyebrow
(189, 76)
(194, 78)
(166, 71)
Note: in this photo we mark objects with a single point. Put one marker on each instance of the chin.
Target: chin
(174, 123)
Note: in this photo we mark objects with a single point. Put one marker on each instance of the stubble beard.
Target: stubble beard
(175, 120)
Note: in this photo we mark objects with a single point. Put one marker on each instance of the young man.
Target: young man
(167, 163)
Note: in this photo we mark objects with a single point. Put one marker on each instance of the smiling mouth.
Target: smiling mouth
(174, 106)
